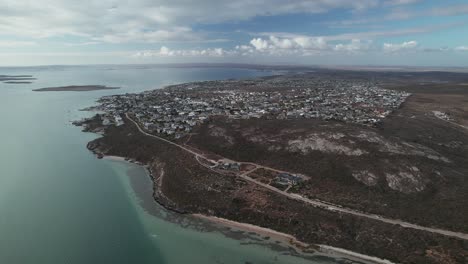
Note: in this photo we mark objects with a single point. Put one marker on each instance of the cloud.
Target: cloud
(443, 49)
(88, 43)
(405, 46)
(396, 14)
(355, 46)
(314, 43)
(272, 46)
(400, 2)
(368, 34)
(274, 43)
(296, 47)
(449, 10)
(281, 46)
(259, 44)
(176, 34)
(166, 52)
(15, 44)
(151, 21)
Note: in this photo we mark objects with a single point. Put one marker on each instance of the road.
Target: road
(314, 203)
(451, 122)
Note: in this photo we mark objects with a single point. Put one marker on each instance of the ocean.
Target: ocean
(60, 204)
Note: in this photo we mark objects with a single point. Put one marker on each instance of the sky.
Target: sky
(306, 32)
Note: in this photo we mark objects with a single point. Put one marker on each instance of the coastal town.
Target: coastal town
(324, 153)
(175, 110)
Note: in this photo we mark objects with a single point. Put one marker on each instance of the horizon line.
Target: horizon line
(279, 66)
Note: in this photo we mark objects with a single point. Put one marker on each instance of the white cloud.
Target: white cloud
(315, 43)
(405, 46)
(88, 43)
(400, 2)
(145, 20)
(166, 52)
(273, 46)
(259, 44)
(136, 35)
(15, 44)
(364, 35)
(405, 14)
(355, 46)
(462, 48)
(449, 10)
(437, 50)
(283, 45)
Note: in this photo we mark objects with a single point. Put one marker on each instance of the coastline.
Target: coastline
(75, 88)
(301, 247)
(329, 250)
(116, 158)
(256, 229)
(195, 190)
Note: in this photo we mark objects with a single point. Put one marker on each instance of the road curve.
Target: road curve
(316, 203)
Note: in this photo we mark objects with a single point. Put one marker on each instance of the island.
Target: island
(17, 79)
(18, 82)
(76, 88)
(368, 162)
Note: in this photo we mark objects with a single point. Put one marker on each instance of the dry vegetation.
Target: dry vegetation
(413, 167)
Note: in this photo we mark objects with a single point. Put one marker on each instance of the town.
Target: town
(175, 110)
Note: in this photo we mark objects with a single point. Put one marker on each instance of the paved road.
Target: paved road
(315, 203)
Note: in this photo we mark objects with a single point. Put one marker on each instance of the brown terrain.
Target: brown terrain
(412, 167)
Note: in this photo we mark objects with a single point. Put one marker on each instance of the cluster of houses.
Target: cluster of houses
(229, 166)
(175, 110)
(286, 179)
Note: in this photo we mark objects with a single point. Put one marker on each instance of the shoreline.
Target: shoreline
(326, 232)
(300, 246)
(116, 158)
(263, 231)
(75, 88)
(329, 250)
(288, 239)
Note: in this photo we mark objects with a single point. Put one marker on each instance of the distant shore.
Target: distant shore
(17, 82)
(17, 79)
(75, 88)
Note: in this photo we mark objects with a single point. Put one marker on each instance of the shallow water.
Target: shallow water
(59, 204)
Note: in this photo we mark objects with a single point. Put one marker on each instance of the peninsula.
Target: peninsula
(369, 162)
(75, 88)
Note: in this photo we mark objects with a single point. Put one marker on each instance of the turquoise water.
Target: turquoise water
(59, 204)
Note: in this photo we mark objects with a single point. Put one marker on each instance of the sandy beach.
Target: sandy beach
(115, 158)
(332, 251)
(256, 229)
(296, 244)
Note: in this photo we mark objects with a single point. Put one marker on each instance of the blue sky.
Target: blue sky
(316, 32)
